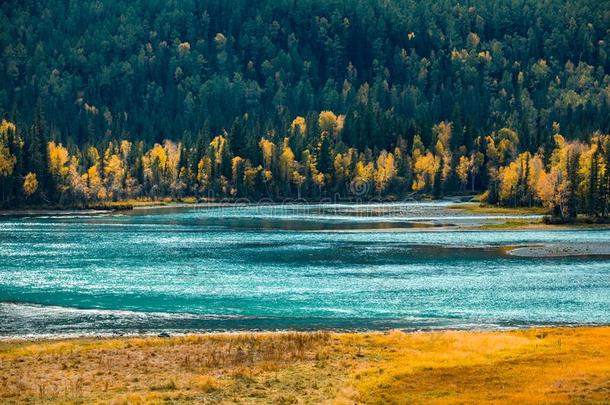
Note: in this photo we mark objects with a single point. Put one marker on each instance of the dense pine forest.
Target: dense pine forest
(106, 100)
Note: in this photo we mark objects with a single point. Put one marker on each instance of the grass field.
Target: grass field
(495, 210)
(522, 366)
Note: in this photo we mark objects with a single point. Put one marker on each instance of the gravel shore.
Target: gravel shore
(562, 250)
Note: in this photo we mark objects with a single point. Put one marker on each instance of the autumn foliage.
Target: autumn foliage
(568, 178)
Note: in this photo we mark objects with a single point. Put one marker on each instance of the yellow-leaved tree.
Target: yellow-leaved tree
(518, 181)
(385, 171)
(462, 170)
(442, 148)
(114, 173)
(58, 164)
(238, 168)
(217, 149)
(425, 167)
(30, 184)
(364, 175)
(299, 125)
(7, 159)
(154, 164)
(327, 121)
(204, 174)
(268, 151)
(557, 188)
(287, 165)
(343, 165)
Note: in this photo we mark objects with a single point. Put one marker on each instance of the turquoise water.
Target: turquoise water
(300, 267)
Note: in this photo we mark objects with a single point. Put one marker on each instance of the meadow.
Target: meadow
(540, 365)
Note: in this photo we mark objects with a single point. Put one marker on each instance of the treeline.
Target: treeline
(309, 161)
(572, 178)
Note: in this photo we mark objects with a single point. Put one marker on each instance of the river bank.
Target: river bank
(146, 203)
(557, 365)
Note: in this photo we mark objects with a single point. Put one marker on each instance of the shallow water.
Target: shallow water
(296, 267)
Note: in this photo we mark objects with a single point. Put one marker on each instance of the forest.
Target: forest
(109, 100)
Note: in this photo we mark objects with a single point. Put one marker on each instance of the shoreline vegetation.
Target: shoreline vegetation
(558, 365)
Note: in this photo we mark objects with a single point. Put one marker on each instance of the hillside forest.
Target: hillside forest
(109, 100)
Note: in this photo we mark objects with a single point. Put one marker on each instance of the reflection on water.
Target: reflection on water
(310, 216)
(295, 267)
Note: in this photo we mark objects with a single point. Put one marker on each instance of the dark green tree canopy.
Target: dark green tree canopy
(155, 69)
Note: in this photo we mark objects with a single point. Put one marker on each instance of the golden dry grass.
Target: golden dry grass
(563, 365)
(493, 209)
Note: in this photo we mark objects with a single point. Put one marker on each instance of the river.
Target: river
(324, 266)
